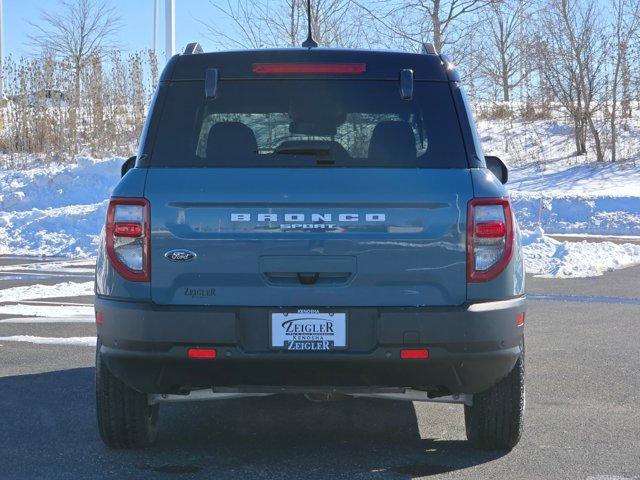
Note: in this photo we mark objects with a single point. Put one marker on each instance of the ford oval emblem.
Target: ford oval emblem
(180, 255)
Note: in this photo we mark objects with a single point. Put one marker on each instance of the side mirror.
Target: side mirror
(498, 168)
(128, 165)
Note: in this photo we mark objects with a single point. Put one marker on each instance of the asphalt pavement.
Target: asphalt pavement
(582, 417)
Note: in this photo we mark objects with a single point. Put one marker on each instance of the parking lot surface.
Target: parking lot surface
(582, 417)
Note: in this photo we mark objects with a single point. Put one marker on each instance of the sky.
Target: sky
(137, 19)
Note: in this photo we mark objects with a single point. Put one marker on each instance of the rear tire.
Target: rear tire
(495, 420)
(125, 419)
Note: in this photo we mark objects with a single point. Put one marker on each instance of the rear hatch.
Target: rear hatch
(308, 192)
(309, 237)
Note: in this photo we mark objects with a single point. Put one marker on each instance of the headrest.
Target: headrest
(230, 141)
(392, 140)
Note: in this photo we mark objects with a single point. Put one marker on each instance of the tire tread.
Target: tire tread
(125, 420)
(495, 420)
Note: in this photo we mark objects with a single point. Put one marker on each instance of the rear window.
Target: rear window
(308, 123)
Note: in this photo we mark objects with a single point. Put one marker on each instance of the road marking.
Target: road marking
(38, 291)
(45, 311)
(26, 275)
(49, 320)
(80, 341)
(584, 299)
(47, 302)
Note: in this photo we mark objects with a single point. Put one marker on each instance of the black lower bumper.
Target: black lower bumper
(470, 348)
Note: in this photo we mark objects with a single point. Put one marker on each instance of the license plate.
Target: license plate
(308, 330)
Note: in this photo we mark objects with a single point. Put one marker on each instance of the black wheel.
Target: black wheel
(494, 421)
(125, 419)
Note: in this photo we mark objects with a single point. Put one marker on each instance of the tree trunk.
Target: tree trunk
(74, 113)
(292, 27)
(596, 140)
(577, 135)
(505, 82)
(437, 26)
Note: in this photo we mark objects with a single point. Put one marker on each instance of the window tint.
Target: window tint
(305, 123)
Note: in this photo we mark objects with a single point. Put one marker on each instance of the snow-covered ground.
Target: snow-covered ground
(59, 209)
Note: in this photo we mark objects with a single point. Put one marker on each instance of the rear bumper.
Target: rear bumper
(470, 347)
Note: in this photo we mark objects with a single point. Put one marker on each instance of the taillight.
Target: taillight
(128, 238)
(489, 238)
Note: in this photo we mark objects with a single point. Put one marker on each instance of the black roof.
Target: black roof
(238, 64)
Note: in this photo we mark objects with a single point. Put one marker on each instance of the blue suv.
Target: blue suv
(310, 221)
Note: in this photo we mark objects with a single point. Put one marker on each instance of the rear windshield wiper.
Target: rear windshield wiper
(323, 155)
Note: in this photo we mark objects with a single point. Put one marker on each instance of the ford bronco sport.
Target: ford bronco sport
(311, 221)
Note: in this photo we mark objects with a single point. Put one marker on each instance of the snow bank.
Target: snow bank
(579, 214)
(58, 209)
(583, 199)
(547, 257)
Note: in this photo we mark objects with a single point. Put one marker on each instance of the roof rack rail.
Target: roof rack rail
(192, 48)
(429, 49)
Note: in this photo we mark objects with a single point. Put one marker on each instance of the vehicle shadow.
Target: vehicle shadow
(48, 429)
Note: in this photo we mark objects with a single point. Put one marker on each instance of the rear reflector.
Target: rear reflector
(99, 318)
(207, 353)
(419, 353)
(310, 68)
(495, 229)
(520, 319)
(127, 229)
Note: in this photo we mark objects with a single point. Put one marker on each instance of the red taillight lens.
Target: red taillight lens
(128, 238)
(203, 353)
(127, 229)
(310, 68)
(489, 238)
(414, 354)
(520, 319)
(494, 229)
(99, 318)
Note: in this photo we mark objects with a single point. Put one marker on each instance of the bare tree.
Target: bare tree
(505, 45)
(625, 27)
(262, 23)
(450, 25)
(245, 18)
(443, 15)
(572, 55)
(81, 30)
(441, 22)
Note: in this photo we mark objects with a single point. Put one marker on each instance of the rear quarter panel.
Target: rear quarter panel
(108, 282)
(510, 282)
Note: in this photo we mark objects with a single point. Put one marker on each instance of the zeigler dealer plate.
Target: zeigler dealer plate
(309, 330)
